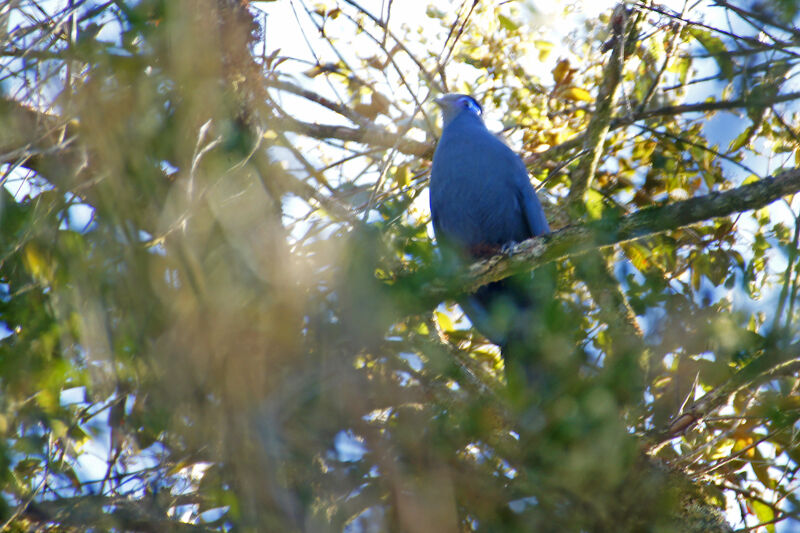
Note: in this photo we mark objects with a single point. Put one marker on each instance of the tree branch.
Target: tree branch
(92, 511)
(593, 269)
(772, 364)
(378, 137)
(576, 240)
(318, 99)
(369, 135)
(598, 127)
(704, 107)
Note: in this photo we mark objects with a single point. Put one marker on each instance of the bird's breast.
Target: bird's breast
(473, 204)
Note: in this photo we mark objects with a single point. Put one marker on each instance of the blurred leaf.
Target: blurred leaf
(716, 48)
(444, 321)
(639, 256)
(402, 175)
(562, 73)
(544, 47)
(594, 204)
(764, 513)
(39, 265)
(507, 23)
(434, 13)
(576, 93)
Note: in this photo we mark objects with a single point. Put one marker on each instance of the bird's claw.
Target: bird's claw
(508, 247)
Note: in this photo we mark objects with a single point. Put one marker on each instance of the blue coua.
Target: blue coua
(481, 200)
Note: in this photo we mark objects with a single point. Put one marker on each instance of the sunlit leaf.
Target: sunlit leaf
(444, 321)
(576, 93)
(716, 48)
(764, 513)
(507, 23)
(544, 47)
(561, 72)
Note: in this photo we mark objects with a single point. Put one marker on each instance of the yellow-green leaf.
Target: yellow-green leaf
(507, 23)
(764, 513)
(716, 48)
(444, 321)
(594, 204)
(576, 93)
(401, 175)
(739, 141)
(544, 47)
(639, 256)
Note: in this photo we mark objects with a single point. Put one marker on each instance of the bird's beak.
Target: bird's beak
(439, 101)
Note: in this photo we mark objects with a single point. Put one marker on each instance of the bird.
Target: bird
(481, 202)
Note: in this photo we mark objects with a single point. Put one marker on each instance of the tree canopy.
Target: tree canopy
(221, 307)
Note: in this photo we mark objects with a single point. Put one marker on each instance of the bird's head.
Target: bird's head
(454, 104)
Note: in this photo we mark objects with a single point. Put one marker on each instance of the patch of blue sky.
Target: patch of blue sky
(349, 446)
(73, 396)
(413, 360)
(22, 183)
(79, 217)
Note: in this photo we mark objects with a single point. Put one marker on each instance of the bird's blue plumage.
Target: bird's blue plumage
(481, 199)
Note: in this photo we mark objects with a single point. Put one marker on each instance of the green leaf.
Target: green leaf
(444, 321)
(595, 203)
(716, 48)
(28, 467)
(764, 513)
(739, 141)
(681, 67)
(761, 471)
(402, 175)
(507, 23)
(639, 256)
(434, 13)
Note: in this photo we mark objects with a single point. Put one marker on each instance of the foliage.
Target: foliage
(221, 303)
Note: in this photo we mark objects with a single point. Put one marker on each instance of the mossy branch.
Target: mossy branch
(579, 239)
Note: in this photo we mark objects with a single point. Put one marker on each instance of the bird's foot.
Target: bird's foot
(508, 247)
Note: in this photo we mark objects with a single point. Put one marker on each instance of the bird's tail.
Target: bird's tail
(514, 314)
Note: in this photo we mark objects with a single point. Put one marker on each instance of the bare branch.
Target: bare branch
(772, 364)
(369, 135)
(125, 513)
(316, 98)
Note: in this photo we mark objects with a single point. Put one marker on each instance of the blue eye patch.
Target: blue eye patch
(467, 102)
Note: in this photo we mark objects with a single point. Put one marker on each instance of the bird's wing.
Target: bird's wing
(529, 201)
(534, 214)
